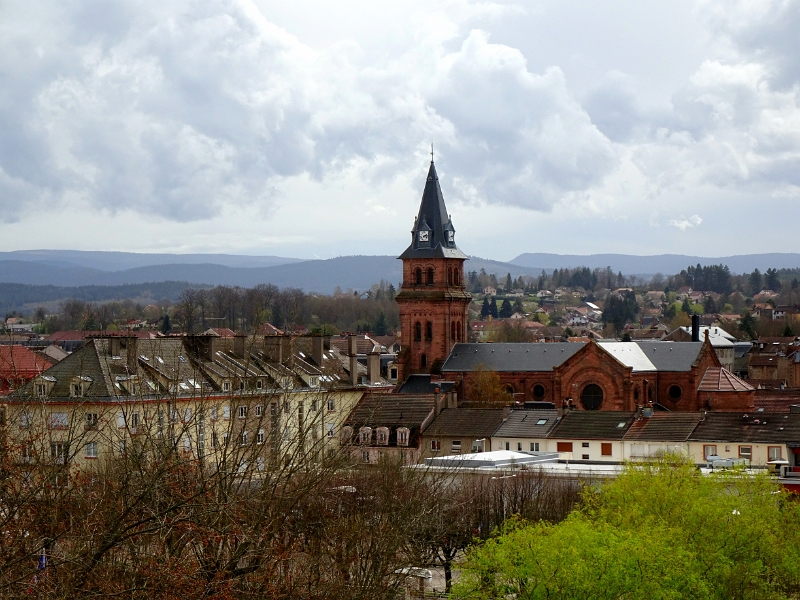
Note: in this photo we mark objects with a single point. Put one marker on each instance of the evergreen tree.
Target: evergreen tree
(686, 307)
(485, 309)
(509, 284)
(380, 325)
(166, 326)
(747, 326)
(505, 309)
(709, 306)
(518, 308)
(755, 282)
(771, 279)
(493, 308)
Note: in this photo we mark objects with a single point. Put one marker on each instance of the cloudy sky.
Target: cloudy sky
(303, 128)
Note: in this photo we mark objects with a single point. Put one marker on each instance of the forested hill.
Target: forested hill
(650, 265)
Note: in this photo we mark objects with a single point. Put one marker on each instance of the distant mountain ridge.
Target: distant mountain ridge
(666, 264)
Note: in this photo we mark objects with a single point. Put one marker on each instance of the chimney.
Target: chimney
(374, 367)
(238, 345)
(352, 351)
(506, 411)
(113, 346)
(647, 411)
(286, 349)
(452, 399)
(317, 349)
(131, 345)
(695, 328)
(566, 405)
(437, 402)
(273, 348)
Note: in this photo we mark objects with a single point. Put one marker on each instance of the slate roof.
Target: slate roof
(526, 424)
(664, 427)
(391, 410)
(466, 422)
(422, 384)
(718, 379)
(630, 355)
(509, 357)
(671, 356)
(756, 427)
(593, 425)
(433, 216)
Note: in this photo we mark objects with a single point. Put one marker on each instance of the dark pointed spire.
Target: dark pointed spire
(433, 234)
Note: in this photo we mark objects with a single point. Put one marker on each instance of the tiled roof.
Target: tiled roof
(593, 425)
(664, 426)
(509, 357)
(391, 410)
(477, 422)
(758, 427)
(21, 361)
(719, 379)
(528, 424)
(763, 360)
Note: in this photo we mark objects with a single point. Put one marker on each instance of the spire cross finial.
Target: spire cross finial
(431, 152)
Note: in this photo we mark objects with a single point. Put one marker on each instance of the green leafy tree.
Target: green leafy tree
(660, 530)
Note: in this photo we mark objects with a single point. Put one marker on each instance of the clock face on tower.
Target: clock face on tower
(451, 236)
(423, 236)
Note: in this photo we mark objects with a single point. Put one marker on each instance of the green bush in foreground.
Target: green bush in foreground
(661, 530)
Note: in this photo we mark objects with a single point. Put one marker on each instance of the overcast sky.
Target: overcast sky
(304, 128)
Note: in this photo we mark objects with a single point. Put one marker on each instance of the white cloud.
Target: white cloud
(683, 223)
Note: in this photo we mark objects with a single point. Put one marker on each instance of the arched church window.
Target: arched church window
(453, 330)
(450, 275)
(418, 276)
(430, 276)
(592, 396)
(428, 330)
(423, 361)
(418, 331)
(458, 331)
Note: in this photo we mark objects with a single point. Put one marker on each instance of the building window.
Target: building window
(25, 420)
(423, 361)
(584, 457)
(675, 392)
(519, 446)
(541, 421)
(226, 412)
(605, 449)
(242, 412)
(592, 396)
(91, 450)
(709, 450)
(214, 440)
(428, 331)
(534, 446)
(418, 276)
(365, 456)
(259, 384)
(259, 410)
(226, 386)
(453, 330)
(331, 405)
(75, 390)
(584, 444)
(382, 436)
(41, 390)
(330, 430)
(455, 446)
(538, 392)
(430, 277)
(402, 436)
(746, 452)
(59, 420)
(636, 393)
(59, 452)
(91, 420)
(508, 444)
(436, 445)
(458, 331)
(417, 331)
(260, 436)
(774, 453)
(563, 446)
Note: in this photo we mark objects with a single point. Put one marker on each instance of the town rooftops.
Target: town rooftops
(391, 410)
(457, 422)
(509, 357)
(671, 356)
(664, 427)
(757, 427)
(528, 424)
(593, 425)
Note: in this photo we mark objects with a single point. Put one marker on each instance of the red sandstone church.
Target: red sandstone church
(674, 376)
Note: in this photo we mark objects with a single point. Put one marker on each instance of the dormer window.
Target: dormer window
(365, 435)
(402, 436)
(382, 434)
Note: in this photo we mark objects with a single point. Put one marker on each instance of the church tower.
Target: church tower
(433, 300)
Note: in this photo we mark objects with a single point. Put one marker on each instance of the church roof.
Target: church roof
(434, 219)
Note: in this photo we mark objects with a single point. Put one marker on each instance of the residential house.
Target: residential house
(590, 436)
(654, 433)
(525, 430)
(458, 430)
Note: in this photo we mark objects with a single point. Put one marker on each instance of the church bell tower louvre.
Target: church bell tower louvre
(433, 300)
